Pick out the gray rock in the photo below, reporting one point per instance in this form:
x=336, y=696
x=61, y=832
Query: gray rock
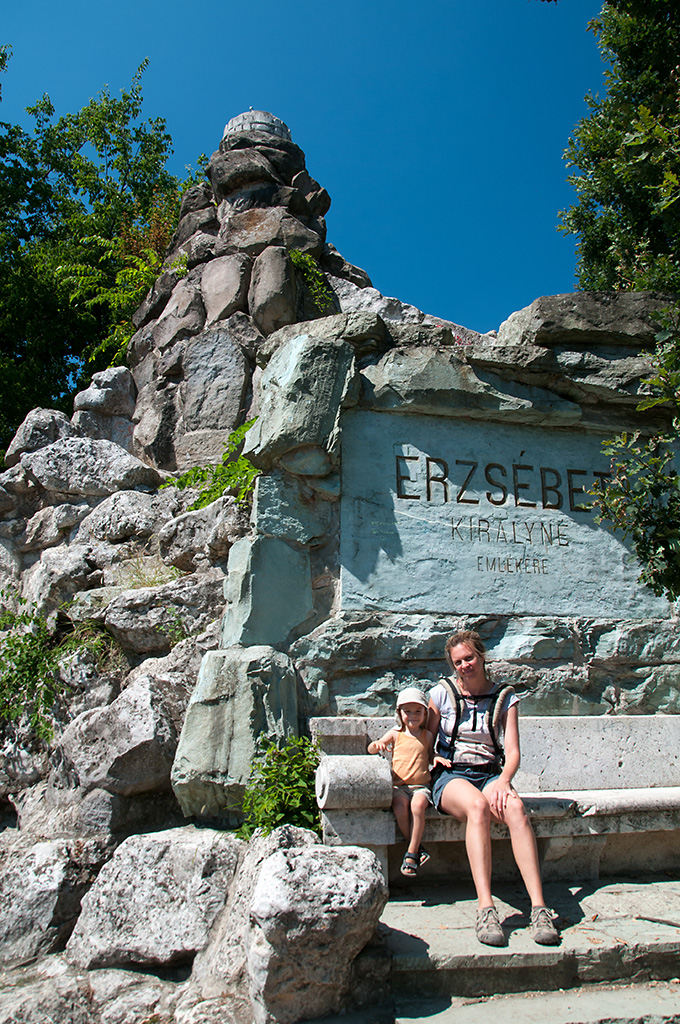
x=233, y=170
x=442, y=383
x=216, y=376
x=105, y=428
x=281, y=509
x=40, y=428
x=126, y=748
x=112, y=392
x=130, y=515
x=198, y=197
x=224, y=286
x=41, y=885
x=205, y=534
x=204, y=220
x=156, y=417
x=585, y=319
x=85, y=467
x=59, y=574
x=271, y=298
x=253, y=230
x=301, y=391
x=183, y=316
x=268, y=591
x=313, y=910
x=220, y=969
x=156, y=300
x=146, y=620
x=156, y=899
x=287, y=158
x=317, y=197
x=336, y=264
x=242, y=694
x=199, y=248
x=46, y=993
x=51, y=525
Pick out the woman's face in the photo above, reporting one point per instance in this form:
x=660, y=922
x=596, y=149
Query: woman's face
x=467, y=663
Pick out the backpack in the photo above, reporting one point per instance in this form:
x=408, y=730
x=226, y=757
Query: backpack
x=496, y=700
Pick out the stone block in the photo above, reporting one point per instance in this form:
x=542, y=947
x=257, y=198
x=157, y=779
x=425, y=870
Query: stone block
x=300, y=394
x=41, y=427
x=216, y=377
x=224, y=286
x=268, y=591
x=156, y=899
x=85, y=467
x=280, y=510
x=183, y=316
x=271, y=298
x=242, y=695
x=112, y=392
x=251, y=231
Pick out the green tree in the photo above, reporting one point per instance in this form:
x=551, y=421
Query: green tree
x=626, y=153
x=87, y=208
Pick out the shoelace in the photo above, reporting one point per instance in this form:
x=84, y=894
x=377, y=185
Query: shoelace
x=542, y=916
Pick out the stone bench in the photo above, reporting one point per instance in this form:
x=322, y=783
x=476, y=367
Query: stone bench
x=603, y=794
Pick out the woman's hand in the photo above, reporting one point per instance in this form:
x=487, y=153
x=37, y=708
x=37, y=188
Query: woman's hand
x=443, y=761
x=498, y=793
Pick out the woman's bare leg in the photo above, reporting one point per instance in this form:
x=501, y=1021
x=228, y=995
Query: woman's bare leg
x=463, y=801
x=524, y=848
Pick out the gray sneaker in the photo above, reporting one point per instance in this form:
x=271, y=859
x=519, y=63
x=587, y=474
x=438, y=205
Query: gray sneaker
x=488, y=927
x=543, y=930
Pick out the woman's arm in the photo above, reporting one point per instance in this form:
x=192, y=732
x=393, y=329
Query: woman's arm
x=384, y=743
x=499, y=792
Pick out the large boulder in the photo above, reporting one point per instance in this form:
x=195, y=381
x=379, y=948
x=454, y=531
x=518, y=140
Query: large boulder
x=312, y=912
x=202, y=535
x=124, y=748
x=85, y=467
x=156, y=899
x=41, y=885
x=242, y=694
x=224, y=286
x=40, y=428
x=271, y=298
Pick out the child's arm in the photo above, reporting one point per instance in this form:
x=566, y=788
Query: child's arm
x=385, y=742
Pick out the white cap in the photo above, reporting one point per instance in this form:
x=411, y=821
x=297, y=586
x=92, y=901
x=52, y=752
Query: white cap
x=412, y=695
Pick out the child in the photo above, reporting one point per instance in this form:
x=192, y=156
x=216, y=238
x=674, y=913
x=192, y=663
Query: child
x=412, y=753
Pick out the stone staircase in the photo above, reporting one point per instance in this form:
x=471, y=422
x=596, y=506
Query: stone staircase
x=619, y=954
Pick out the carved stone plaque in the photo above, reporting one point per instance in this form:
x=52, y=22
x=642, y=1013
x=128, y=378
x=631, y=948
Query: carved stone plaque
x=472, y=517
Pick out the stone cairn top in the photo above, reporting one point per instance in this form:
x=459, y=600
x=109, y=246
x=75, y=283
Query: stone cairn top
x=257, y=121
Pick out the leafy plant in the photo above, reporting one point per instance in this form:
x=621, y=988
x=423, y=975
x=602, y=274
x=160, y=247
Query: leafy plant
x=30, y=654
x=233, y=475
x=175, y=628
x=313, y=276
x=281, y=788
x=642, y=497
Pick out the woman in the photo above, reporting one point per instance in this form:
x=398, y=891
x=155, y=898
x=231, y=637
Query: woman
x=473, y=782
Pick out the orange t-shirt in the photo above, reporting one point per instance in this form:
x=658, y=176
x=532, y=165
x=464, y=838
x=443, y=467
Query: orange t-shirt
x=410, y=759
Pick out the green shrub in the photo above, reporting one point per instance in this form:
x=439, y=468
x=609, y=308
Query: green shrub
x=231, y=475
x=281, y=788
x=30, y=653
x=313, y=277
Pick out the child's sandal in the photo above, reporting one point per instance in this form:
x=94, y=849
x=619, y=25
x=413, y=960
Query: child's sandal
x=409, y=865
x=423, y=856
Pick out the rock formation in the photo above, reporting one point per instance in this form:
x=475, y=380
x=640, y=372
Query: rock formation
x=256, y=315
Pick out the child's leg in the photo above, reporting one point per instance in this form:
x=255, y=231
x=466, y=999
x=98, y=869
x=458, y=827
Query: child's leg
x=401, y=804
x=419, y=803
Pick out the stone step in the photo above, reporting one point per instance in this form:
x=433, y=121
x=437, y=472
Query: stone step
x=611, y=931
x=655, y=1002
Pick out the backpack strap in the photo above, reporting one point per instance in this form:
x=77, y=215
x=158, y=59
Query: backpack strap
x=456, y=701
x=498, y=698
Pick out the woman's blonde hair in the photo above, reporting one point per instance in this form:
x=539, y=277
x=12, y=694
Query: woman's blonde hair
x=469, y=637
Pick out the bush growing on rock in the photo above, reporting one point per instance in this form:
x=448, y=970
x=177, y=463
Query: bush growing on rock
x=281, y=788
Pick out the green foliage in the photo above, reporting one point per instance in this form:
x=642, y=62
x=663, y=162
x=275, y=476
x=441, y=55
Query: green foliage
x=281, y=788
x=87, y=209
x=642, y=497
x=626, y=154
x=233, y=475
x=30, y=654
x=313, y=276
x=175, y=627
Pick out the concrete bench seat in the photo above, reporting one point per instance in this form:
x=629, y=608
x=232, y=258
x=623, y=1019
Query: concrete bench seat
x=603, y=793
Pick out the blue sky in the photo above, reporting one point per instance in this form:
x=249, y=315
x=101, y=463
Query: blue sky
x=437, y=127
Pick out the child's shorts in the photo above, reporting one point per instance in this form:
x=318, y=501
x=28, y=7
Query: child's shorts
x=479, y=775
x=410, y=790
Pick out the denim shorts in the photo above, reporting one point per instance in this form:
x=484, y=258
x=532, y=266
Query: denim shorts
x=479, y=775
x=412, y=790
